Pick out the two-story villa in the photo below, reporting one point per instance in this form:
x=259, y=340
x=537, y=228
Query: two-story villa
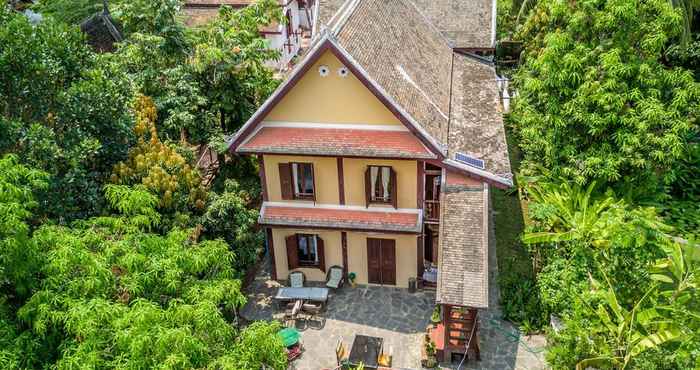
x=378, y=152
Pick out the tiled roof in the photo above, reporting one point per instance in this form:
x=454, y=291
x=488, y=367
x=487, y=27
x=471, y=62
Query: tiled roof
x=401, y=51
x=340, y=217
x=336, y=142
x=326, y=10
x=449, y=100
x=463, y=262
x=476, y=123
x=464, y=23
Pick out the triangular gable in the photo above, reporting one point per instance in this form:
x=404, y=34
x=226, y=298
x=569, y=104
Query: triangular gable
x=326, y=43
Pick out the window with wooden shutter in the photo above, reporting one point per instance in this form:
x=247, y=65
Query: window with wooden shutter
x=286, y=185
x=292, y=252
x=393, y=185
x=380, y=185
x=306, y=250
x=321, y=254
x=303, y=183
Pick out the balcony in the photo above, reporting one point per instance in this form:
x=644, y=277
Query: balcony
x=432, y=211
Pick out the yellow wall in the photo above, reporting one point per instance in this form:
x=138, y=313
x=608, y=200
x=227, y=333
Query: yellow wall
x=331, y=99
x=331, y=248
x=325, y=177
x=406, y=177
x=357, y=254
x=405, y=256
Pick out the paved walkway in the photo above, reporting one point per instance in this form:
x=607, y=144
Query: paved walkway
x=400, y=318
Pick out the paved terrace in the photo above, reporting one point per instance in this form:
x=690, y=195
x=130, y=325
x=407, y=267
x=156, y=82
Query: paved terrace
x=400, y=318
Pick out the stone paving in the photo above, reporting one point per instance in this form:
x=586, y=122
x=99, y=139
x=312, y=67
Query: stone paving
x=394, y=314
x=400, y=318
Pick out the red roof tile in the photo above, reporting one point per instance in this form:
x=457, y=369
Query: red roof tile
x=335, y=141
x=338, y=218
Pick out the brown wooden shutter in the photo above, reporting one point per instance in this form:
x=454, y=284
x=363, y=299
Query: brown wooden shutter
x=292, y=252
x=313, y=182
x=321, y=254
x=394, y=189
x=368, y=186
x=286, y=185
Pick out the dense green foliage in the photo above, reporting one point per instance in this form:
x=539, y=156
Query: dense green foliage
x=606, y=115
x=595, y=101
x=51, y=84
x=112, y=253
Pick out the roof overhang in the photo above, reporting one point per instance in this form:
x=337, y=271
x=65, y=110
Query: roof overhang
x=328, y=43
x=335, y=217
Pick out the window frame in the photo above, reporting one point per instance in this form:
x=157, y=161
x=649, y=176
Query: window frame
x=299, y=195
x=389, y=200
x=308, y=237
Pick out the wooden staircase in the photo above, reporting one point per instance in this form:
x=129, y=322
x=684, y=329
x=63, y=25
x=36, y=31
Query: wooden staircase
x=457, y=332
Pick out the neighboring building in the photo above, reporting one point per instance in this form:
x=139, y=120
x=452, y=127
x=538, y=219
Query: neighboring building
x=288, y=37
x=101, y=30
x=377, y=154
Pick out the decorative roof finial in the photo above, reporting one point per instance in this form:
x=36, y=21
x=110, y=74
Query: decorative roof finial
x=105, y=8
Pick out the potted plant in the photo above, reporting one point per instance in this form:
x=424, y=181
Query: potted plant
x=430, y=361
x=351, y=278
x=435, y=317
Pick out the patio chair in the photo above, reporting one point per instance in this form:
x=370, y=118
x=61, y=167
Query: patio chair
x=296, y=279
x=291, y=312
x=312, y=312
x=334, y=277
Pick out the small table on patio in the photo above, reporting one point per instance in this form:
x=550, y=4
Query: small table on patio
x=306, y=294
x=366, y=350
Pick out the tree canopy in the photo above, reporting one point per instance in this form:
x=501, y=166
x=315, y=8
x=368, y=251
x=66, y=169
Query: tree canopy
x=595, y=101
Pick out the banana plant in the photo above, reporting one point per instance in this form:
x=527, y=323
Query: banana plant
x=629, y=332
x=575, y=214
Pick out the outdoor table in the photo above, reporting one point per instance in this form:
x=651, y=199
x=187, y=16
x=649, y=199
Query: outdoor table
x=306, y=294
x=366, y=350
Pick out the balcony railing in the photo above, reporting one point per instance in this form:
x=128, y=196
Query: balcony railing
x=432, y=211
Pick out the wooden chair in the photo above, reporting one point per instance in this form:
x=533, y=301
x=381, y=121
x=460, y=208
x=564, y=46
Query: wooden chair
x=296, y=279
x=341, y=353
x=291, y=312
x=334, y=277
x=312, y=313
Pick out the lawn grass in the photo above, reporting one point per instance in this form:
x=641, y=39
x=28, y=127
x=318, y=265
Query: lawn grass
x=516, y=279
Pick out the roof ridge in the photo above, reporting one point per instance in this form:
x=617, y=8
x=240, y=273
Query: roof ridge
x=431, y=24
x=352, y=6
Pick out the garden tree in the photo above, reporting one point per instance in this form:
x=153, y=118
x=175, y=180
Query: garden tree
x=229, y=61
x=573, y=229
x=169, y=80
x=231, y=215
x=595, y=102
x=18, y=254
x=159, y=167
x=216, y=80
x=62, y=110
x=120, y=297
x=658, y=329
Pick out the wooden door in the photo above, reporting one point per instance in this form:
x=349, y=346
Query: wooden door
x=388, y=260
x=381, y=261
x=374, y=261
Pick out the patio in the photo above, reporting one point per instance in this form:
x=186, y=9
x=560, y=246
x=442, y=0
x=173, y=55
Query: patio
x=400, y=318
x=395, y=315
